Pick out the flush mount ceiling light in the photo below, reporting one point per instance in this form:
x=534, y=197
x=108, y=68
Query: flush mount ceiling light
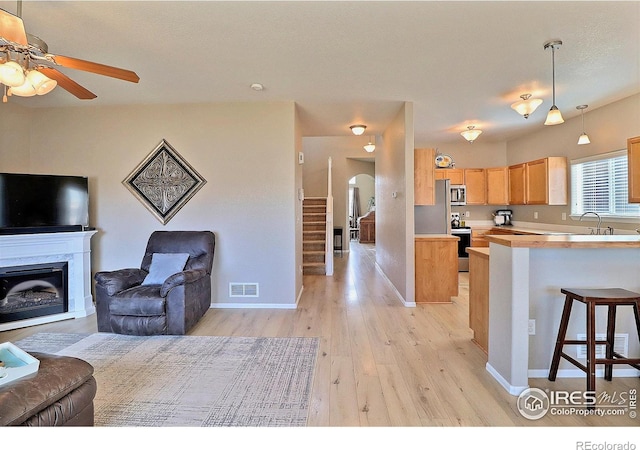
x=370, y=147
x=358, y=129
x=527, y=105
x=257, y=87
x=471, y=133
x=583, y=139
x=554, y=117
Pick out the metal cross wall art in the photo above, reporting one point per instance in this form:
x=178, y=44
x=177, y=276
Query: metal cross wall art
x=164, y=182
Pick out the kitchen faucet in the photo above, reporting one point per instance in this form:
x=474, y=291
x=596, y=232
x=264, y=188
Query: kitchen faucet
x=599, y=220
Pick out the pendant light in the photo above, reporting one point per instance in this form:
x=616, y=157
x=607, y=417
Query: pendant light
x=370, y=147
x=584, y=138
x=471, y=133
x=527, y=105
x=554, y=117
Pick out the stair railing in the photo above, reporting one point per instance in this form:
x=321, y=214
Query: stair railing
x=328, y=257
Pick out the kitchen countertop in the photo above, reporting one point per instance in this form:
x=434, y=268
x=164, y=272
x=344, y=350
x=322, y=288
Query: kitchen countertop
x=565, y=241
x=435, y=236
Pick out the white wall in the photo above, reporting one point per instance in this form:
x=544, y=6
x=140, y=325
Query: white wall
x=394, y=204
x=245, y=151
x=14, y=138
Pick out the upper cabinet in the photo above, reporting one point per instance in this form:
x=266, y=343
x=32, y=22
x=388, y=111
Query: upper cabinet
x=424, y=176
x=633, y=147
x=517, y=184
x=497, y=186
x=547, y=181
x=539, y=182
x=455, y=176
x=476, y=182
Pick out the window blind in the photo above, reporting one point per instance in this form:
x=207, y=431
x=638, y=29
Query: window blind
x=601, y=185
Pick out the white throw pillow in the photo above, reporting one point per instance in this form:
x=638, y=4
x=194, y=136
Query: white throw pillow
x=163, y=265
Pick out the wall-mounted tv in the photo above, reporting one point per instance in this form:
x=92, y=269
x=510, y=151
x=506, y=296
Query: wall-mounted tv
x=43, y=203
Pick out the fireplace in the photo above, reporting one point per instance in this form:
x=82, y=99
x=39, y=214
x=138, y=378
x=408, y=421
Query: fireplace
x=34, y=290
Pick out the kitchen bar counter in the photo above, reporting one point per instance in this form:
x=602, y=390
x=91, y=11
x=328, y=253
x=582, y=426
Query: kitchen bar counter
x=526, y=274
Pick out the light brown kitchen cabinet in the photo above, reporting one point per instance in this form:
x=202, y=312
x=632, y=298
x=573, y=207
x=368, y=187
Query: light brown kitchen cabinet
x=517, y=184
x=479, y=296
x=436, y=264
x=497, y=186
x=455, y=176
x=547, y=181
x=476, y=182
x=633, y=149
x=478, y=237
x=424, y=168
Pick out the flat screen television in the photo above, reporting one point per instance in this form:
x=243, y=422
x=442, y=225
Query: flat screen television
x=43, y=203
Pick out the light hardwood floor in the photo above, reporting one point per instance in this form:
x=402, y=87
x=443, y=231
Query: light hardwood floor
x=380, y=363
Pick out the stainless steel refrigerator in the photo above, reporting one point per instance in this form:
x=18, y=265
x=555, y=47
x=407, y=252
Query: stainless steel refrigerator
x=435, y=219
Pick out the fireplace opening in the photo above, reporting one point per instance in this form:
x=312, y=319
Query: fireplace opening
x=33, y=291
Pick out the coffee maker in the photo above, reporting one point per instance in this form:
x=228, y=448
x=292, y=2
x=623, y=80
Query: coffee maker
x=503, y=217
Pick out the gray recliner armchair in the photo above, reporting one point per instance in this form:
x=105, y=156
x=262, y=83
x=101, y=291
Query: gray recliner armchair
x=159, y=298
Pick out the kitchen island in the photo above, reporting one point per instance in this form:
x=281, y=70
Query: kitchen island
x=526, y=273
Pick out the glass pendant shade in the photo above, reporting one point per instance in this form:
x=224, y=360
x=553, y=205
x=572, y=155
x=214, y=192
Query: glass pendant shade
x=583, y=139
x=554, y=117
x=471, y=133
x=11, y=74
x=527, y=105
x=40, y=82
x=25, y=90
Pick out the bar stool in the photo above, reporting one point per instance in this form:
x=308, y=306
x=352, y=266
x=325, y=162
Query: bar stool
x=611, y=297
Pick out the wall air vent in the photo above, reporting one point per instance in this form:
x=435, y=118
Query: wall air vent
x=243, y=290
x=620, y=345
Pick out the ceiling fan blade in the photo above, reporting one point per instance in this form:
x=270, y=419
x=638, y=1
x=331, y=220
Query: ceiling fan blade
x=100, y=69
x=12, y=28
x=67, y=83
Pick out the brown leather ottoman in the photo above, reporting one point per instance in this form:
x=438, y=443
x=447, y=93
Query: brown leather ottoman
x=60, y=393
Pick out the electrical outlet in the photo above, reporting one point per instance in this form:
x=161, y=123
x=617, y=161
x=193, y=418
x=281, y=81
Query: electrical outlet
x=535, y=214
x=564, y=216
x=467, y=213
x=532, y=327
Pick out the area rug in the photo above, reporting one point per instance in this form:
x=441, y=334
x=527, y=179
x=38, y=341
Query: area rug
x=194, y=381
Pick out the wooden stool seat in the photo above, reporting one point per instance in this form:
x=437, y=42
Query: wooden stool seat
x=612, y=298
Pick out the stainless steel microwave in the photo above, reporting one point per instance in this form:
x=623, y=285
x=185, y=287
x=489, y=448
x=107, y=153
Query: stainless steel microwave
x=458, y=194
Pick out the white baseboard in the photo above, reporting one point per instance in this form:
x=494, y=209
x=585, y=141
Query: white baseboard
x=393, y=288
x=513, y=390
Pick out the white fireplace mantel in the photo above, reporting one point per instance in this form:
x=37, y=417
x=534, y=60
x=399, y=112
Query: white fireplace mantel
x=71, y=247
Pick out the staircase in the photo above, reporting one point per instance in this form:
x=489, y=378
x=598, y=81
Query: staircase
x=314, y=226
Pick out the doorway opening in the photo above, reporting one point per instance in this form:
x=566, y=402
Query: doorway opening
x=361, y=206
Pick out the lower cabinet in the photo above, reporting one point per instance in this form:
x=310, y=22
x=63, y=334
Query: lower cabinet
x=479, y=296
x=436, y=263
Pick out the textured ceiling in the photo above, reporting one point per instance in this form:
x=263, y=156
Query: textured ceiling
x=344, y=62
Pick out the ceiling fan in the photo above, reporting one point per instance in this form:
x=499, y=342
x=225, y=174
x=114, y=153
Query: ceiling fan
x=27, y=68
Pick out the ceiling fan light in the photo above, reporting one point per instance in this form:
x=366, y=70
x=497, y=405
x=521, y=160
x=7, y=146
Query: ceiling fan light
x=527, y=105
x=554, y=117
x=25, y=90
x=584, y=139
x=358, y=129
x=40, y=82
x=471, y=133
x=11, y=74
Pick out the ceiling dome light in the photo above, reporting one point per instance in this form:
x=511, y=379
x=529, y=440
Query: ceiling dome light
x=554, y=117
x=471, y=133
x=584, y=138
x=11, y=74
x=370, y=147
x=527, y=105
x=358, y=129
